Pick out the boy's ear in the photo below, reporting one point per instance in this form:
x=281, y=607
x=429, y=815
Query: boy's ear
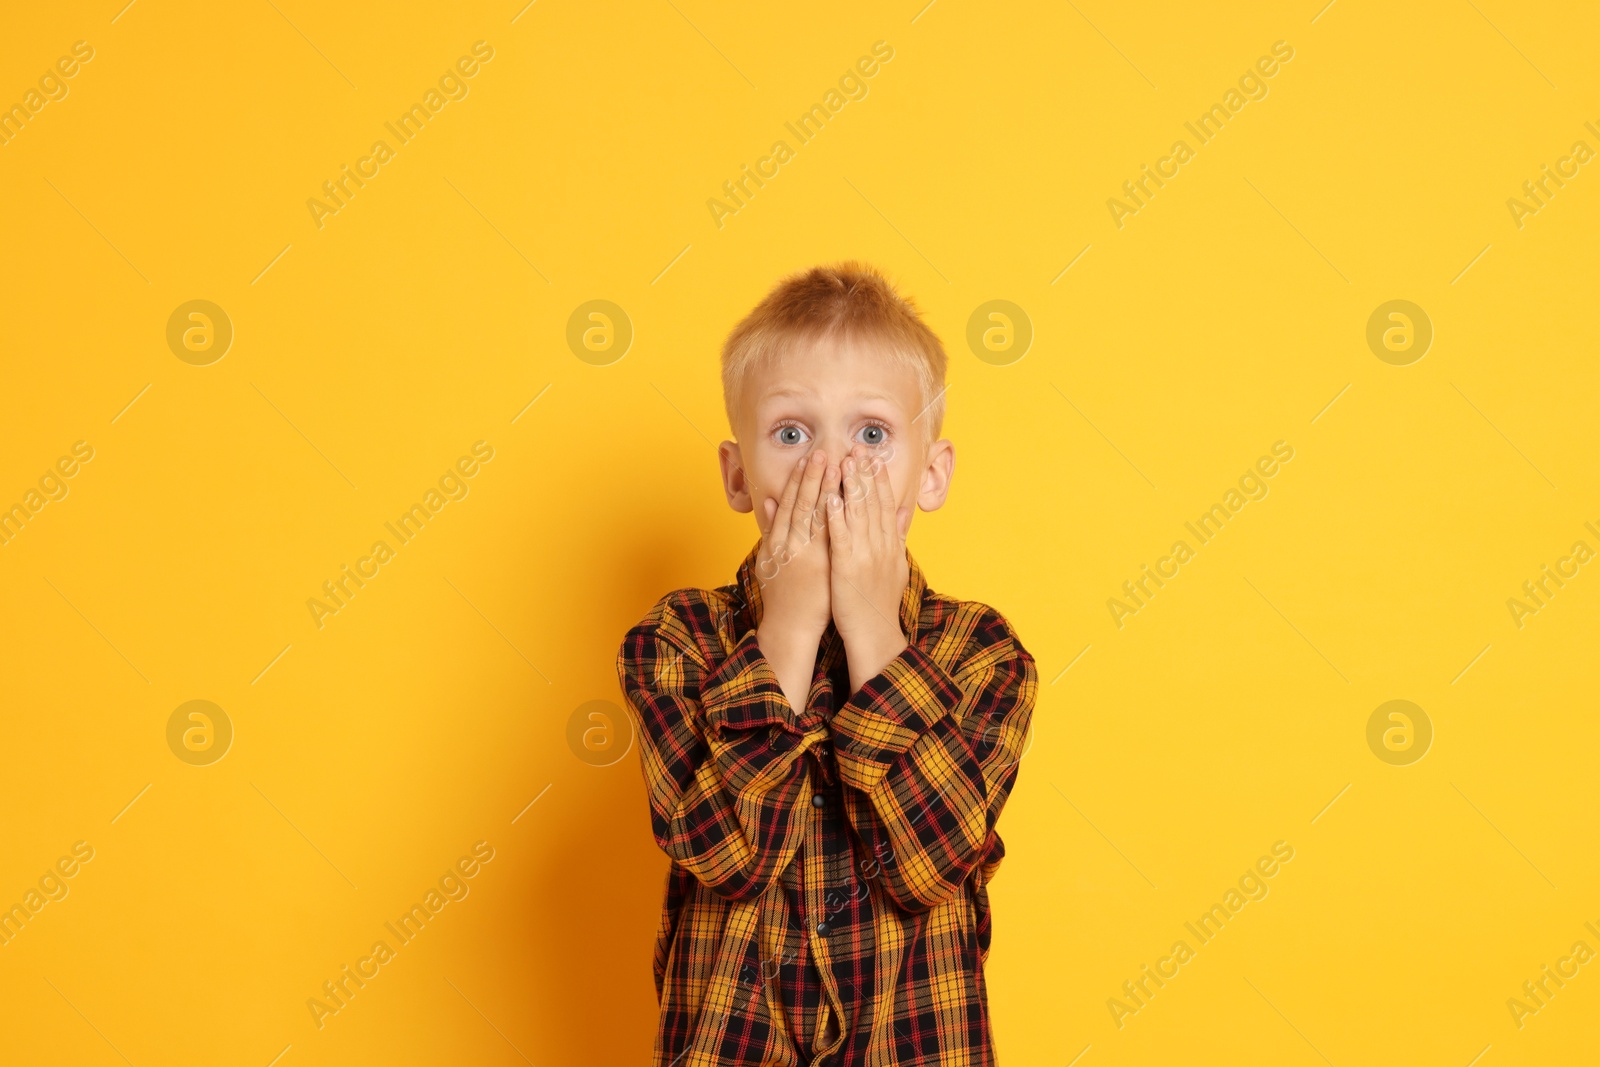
x=734, y=482
x=936, y=475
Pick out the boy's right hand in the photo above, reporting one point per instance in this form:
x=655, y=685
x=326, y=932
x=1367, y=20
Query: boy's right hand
x=793, y=563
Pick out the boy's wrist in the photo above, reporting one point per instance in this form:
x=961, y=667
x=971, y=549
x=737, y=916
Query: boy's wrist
x=781, y=635
x=786, y=645
x=869, y=653
x=792, y=654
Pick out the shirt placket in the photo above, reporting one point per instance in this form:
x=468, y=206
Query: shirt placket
x=832, y=910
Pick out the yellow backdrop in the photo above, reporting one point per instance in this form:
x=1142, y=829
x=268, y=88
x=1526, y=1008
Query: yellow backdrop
x=360, y=391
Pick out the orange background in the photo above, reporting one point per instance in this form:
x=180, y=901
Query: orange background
x=432, y=711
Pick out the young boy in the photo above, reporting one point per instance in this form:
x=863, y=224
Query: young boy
x=827, y=742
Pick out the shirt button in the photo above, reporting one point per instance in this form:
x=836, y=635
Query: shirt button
x=824, y=929
x=818, y=800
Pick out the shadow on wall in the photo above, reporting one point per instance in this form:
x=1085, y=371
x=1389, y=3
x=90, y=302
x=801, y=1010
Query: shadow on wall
x=596, y=891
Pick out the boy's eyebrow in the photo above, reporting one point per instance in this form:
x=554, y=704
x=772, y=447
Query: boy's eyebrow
x=800, y=394
x=796, y=393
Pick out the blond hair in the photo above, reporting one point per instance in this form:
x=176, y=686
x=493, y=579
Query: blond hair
x=842, y=301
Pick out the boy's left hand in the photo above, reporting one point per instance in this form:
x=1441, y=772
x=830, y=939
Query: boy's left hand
x=868, y=567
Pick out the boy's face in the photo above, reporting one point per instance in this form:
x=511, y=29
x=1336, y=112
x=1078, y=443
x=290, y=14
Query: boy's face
x=834, y=395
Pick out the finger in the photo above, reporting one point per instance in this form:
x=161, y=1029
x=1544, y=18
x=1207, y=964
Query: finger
x=888, y=519
x=802, y=523
x=779, y=528
x=831, y=483
x=763, y=511
x=872, y=501
x=838, y=528
x=855, y=511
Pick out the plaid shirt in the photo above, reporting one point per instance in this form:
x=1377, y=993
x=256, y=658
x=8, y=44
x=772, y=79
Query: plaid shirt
x=826, y=901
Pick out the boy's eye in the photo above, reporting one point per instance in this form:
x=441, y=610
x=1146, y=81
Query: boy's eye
x=874, y=435
x=790, y=435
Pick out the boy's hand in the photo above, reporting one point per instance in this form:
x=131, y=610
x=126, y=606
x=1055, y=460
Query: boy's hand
x=793, y=569
x=869, y=572
x=793, y=562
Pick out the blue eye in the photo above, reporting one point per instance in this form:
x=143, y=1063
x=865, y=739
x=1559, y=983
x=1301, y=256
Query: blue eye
x=875, y=434
x=789, y=435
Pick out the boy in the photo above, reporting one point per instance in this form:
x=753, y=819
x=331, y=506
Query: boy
x=827, y=742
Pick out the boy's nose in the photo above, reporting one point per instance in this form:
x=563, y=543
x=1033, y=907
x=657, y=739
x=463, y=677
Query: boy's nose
x=837, y=451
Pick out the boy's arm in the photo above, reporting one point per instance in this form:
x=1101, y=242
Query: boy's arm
x=933, y=787
x=730, y=797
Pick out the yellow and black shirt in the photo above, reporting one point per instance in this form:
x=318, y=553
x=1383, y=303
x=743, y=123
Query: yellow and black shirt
x=826, y=901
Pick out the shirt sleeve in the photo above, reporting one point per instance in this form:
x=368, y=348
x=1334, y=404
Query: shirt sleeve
x=730, y=796
x=933, y=755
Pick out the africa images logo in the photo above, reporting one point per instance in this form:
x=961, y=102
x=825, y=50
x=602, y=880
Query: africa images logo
x=1206, y=128
x=452, y=85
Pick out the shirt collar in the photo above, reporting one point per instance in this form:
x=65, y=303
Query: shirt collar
x=749, y=585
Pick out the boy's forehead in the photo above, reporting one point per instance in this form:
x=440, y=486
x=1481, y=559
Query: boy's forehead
x=858, y=370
